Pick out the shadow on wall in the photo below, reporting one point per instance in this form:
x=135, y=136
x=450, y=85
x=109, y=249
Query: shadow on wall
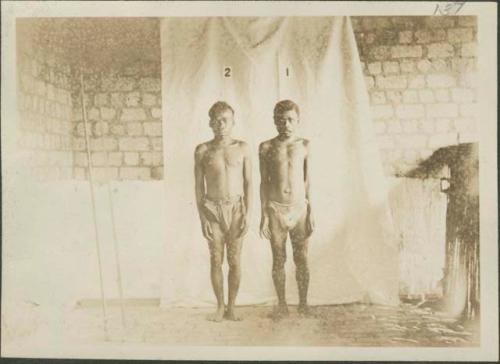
x=460, y=182
x=419, y=215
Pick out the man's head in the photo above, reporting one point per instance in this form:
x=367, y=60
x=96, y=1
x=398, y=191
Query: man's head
x=286, y=117
x=221, y=118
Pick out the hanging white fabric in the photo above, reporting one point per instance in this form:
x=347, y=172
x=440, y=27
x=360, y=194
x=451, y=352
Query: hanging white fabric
x=252, y=63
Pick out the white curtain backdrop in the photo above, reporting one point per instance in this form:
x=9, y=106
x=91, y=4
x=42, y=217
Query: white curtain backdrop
x=313, y=61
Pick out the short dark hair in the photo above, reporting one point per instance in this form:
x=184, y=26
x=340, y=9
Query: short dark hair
x=218, y=107
x=285, y=105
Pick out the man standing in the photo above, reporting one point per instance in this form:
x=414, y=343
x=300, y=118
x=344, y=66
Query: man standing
x=223, y=196
x=285, y=201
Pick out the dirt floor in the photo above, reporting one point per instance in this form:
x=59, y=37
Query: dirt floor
x=337, y=325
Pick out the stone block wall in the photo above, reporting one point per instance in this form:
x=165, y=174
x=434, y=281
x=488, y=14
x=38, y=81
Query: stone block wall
x=421, y=76
x=420, y=73
x=44, y=105
x=122, y=76
x=125, y=129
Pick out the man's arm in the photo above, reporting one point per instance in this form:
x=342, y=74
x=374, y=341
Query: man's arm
x=247, y=189
x=199, y=177
x=307, y=184
x=247, y=180
x=264, y=180
x=264, y=177
x=307, y=176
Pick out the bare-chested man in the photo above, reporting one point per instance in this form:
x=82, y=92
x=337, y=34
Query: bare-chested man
x=223, y=196
x=285, y=201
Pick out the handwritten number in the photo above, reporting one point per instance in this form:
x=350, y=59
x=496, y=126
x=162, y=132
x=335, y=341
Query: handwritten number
x=227, y=72
x=287, y=72
x=451, y=8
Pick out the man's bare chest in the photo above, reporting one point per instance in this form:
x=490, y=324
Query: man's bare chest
x=285, y=155
x=223, y=158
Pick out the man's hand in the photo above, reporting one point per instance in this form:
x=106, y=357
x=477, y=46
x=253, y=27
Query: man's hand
x=264, y=227
x=309, y=221
x=207, y=229
x=245, y=223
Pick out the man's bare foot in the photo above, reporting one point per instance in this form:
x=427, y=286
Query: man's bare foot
x=217, y=316
x=279, y=312
x=305, y=310
x=231, y=315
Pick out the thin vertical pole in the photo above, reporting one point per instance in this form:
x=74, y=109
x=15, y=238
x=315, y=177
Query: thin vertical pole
x=92, y=198
x=117, y=256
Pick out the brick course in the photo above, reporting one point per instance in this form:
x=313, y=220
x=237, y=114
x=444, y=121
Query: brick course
x=45, y=109
x=125, y=118
x=420, y=73
x=423, y=96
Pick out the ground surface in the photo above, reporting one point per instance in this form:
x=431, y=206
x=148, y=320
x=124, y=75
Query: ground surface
x=338, y=325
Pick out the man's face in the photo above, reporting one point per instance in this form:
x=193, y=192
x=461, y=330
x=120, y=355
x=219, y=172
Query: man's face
x=287, y=122
x=222, y=123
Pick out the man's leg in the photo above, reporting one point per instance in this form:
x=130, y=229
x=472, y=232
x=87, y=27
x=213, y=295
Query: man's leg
x=301, y=272
x=234, y=276
x=278, y=241
x=300, y=244
x=216, y=259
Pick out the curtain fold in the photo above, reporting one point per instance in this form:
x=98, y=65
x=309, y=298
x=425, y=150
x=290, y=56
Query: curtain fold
x=313, y=61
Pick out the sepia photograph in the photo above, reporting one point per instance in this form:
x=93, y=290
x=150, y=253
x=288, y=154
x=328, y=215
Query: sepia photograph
x=249, y=180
